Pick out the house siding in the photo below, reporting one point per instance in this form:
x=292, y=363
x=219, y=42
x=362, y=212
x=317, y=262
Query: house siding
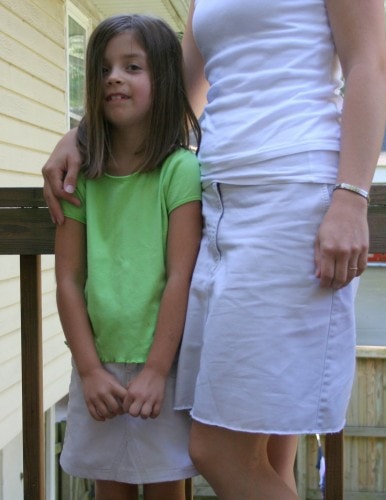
x=32, y=119
x=33, y=84
x=33, y=116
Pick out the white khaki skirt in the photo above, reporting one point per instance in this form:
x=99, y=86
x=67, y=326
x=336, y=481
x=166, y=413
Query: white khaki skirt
x=126, y=449
x=265, y=348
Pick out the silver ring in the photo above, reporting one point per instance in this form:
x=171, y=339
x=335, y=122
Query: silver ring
x=353, y=269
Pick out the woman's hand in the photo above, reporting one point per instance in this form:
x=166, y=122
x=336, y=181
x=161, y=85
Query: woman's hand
x=60, y=175
x=342, y=243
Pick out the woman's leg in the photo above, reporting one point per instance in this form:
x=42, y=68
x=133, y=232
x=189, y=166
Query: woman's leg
x=171, y=490
x=281, y=455
x=236, y=464
x=112, y=490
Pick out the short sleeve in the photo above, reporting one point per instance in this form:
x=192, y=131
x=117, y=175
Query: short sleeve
x=72, y=211
x=181, y=179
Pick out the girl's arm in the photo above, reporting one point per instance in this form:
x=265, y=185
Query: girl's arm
x=359, y=36
x=146, y=392
x=60, y=174
x=196, y=84
x=102, y=391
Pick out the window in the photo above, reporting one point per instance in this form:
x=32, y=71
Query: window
x=77, y=31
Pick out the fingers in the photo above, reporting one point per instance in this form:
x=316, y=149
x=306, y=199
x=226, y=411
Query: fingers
x=356, y=266
x=106, y=398
x=105, y=409
x=102, y=410
x=362, y=262
x=106, y=403
x=143, y=409
x=54, y=206
x=344, y=273
x=60, y=175
x=342, y=242
x=336, y=270
x=145, y=394
x=71, y=177
x=139, y=407
x=97, y=413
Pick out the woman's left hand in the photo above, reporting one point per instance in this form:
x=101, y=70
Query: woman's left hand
x=342, y=243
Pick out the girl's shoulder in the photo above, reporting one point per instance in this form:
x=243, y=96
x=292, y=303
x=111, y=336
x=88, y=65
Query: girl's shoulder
x=181, y=159
x=180, y=177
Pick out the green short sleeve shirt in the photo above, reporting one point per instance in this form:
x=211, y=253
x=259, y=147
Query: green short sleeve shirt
x=126, y=222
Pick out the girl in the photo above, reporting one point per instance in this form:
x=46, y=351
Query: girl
x=124, y=260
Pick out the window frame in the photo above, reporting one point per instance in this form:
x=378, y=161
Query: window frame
x=84, y=22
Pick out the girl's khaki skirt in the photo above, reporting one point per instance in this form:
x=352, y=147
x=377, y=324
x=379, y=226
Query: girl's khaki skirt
x=126, y=449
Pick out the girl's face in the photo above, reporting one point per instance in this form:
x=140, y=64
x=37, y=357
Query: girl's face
x=127, y=94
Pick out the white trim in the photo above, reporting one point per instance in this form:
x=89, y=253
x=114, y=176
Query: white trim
x=78, y=15
x=50, y=442
x=85, y=22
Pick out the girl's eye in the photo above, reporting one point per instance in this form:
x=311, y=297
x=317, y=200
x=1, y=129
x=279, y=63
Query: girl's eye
x=105, y=71
x=133, y=67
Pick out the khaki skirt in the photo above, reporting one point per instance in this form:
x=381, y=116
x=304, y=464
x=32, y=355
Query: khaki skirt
x=126, y=449
x=265, y=348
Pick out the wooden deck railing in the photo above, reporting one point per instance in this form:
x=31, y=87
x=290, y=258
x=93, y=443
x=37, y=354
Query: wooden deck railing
x=26, y=230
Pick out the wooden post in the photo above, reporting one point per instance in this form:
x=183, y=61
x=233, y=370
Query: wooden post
x=188, y=489
x=32, y=377
x=334, y=466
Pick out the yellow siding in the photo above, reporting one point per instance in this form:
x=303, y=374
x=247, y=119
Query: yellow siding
x=32, y=86
x=32, y=119
x=56, y=356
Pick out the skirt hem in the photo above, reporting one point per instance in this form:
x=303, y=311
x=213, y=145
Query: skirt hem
x=125, y=476
x=287, y=432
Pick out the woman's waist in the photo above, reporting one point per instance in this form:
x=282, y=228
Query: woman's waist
x=320, y=165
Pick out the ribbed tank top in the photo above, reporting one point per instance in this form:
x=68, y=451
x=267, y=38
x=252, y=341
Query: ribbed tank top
x=275, y=89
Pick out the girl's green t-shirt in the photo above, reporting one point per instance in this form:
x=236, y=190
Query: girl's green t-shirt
x=126, y=222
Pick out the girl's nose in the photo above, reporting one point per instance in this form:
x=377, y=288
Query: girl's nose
x=115, y=76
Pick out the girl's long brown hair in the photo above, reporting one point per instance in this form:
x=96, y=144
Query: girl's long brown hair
x=171, y=117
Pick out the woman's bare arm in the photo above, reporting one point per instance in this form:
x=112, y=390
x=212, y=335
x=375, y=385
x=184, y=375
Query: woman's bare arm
x=60, y=173
x=359, y=36
x=196, y=83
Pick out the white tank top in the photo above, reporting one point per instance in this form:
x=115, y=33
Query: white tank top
x=275, y=90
